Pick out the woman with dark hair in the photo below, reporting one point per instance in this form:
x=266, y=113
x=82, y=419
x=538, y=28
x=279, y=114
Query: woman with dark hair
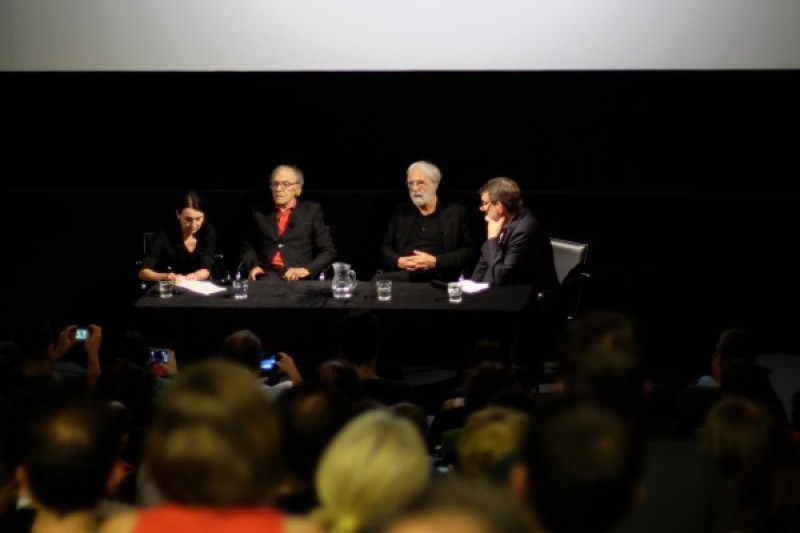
x=184, y=251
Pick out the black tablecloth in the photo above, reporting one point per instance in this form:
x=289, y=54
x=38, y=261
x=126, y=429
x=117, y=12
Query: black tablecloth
x=420, y=325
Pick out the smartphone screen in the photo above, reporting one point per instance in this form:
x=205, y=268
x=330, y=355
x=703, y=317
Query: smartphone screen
x=81, y=334
x=159, y=355
x=268, y=362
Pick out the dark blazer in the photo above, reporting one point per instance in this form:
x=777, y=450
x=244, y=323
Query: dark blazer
x=306, y=242
x=167, y=251
x=522, y=254
x=460, y=250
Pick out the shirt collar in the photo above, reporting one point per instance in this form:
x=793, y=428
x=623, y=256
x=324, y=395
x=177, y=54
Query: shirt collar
x=289, y=207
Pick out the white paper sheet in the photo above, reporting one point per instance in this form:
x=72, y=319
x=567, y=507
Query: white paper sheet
x=471, y=287
x=201, y=287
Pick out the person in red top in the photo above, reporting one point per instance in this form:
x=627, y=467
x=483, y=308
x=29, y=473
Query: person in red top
x=288, y=239
x=214, y=451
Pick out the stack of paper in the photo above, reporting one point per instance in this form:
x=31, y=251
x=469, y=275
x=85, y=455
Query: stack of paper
x=471, y=287
x=201, y=287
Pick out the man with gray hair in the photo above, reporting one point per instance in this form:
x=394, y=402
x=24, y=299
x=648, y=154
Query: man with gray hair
x=427, y=239
x=288, y=238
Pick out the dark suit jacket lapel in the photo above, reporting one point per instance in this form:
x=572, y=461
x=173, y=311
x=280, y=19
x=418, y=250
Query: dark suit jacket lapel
x=508, y=231
x=272, y=222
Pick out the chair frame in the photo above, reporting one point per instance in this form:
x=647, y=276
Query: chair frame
x=557, y=306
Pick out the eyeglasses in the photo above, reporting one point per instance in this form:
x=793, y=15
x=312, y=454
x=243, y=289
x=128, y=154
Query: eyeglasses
x=417, y=183
x=487, y=203
x=275, y=185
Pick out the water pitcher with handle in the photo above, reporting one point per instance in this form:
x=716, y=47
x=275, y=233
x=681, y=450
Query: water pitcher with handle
x=344, y=280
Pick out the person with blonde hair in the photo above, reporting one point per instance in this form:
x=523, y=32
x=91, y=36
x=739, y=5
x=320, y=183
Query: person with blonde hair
x=375, y=465
x=214, y=451
x=489, y=441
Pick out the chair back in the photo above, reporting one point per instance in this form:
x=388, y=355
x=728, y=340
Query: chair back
x=557, y=306
x=568, y=255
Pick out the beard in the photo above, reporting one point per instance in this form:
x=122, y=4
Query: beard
x=420, y=199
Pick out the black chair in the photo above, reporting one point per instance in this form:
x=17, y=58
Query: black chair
x=555, y=307
x=570, y=261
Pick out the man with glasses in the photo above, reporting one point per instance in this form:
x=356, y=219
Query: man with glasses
x=517, y=248
x=427, y=239
x=288, y=238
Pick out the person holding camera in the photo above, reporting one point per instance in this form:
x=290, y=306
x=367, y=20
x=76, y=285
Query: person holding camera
x=244, y=347
x=184, y=251
x=39, y=353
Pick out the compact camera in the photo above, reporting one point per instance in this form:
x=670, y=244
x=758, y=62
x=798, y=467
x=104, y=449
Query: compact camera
x=158, y=355
x=81, y=334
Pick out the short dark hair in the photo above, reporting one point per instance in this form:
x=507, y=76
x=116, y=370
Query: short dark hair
x=215, y=438
x=603, y=359
x=504, y=190
x=736, y=343
x=70, y=443
x=311, y=415
x=242, y=347
x=33, y=337
x=585, y=462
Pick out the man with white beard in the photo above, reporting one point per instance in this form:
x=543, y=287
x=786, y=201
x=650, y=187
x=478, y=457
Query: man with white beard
x=428, y=238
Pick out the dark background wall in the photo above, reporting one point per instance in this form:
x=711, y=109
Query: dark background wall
x=681, y=180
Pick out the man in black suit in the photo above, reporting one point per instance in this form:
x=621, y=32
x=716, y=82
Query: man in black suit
x=517, y=248
x=428, y=238
x=288, y=239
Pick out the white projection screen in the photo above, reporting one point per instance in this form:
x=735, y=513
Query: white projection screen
x=397, y=35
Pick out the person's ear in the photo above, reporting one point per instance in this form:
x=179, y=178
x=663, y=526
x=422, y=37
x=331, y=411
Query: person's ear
x=120, y=471
x=21, y=477
x=518, y=480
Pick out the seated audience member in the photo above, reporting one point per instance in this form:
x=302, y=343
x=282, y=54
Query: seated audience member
x=358, y=336
x=414, y=414
x=184, y=250
x=341, y=375
x=482, y=383
x=69, y=449
x=462, y=506
x=375, y=465
x=483, y=350
x=244, y=347
x=734, y=343
x=733, y=372
x=489, y=442
x=517, y=249
x=311, y=416
x=39, y=354
x=35, y=371
x=288, y=238
x=426, y=238
x=603, y=363
x=580, y=467
x=759, y=461
x=214, y=451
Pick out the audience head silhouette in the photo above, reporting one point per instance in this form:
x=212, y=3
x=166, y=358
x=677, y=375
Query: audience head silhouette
x=215, y=438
